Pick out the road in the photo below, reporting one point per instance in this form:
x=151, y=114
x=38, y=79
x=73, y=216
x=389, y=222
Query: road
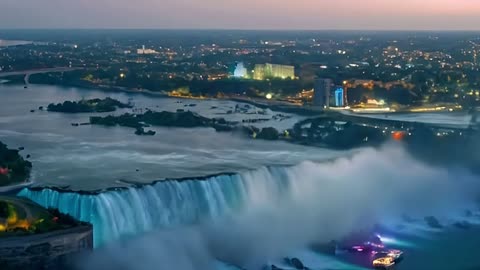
x=27, y=73
x=19, y=204
x=13, y=189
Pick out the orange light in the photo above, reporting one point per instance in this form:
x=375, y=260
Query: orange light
x=24, y=224
x=398, y=135
x=385, y=261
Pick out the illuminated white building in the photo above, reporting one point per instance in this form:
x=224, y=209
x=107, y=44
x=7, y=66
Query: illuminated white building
x=264, y=71
x=145, y=51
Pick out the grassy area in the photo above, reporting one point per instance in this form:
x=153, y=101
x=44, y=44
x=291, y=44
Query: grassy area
x=22, y=217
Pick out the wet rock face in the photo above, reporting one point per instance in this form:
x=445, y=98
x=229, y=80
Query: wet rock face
x=86, y=106
x=54, y=251
x=297, y=264
x=268, y=133
x=464, y=225
x=433, y=222
x=141, y=131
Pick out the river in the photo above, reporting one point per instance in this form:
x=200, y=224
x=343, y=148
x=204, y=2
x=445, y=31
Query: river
x=95, y=157
x=277, y=199
x=448, y=119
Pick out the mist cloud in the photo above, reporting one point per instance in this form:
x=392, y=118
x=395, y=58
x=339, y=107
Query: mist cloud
x=324, y=202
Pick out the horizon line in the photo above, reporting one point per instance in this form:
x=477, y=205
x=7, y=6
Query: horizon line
x=243, y=29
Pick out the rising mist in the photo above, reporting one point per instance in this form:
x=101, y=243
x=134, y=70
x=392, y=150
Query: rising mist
x=285, y=209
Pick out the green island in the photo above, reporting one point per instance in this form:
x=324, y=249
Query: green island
x=329, y=132
x=88, y=106
x=14, y=168
x=186, y=119
x=321, y=131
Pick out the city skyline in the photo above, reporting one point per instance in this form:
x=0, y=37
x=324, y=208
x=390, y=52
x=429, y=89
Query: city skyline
x=247, y=14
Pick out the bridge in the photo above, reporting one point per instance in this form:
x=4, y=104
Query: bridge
x=27, y=73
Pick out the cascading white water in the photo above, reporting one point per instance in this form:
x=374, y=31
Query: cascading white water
x=335, y=196
x=169, y=203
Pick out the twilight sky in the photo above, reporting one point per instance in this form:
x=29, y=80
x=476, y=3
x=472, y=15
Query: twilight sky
x=243, y=14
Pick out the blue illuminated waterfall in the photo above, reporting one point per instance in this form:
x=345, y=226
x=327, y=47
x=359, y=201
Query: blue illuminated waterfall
x=166, y=203
x=371, y=186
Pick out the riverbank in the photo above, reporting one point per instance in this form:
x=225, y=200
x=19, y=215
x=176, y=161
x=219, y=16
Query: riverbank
x=14, y=189
x=280, y=106
x=263, y=104
x=14, y=169
x=62, y=153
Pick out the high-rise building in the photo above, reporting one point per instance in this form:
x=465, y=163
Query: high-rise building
x=265, y=71
x=321, y=94
x=339, y=97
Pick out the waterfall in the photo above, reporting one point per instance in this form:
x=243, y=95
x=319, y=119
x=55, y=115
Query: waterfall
x=335, y=196
x=166, y=203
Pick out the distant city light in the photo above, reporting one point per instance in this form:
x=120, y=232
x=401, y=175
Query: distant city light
x=269, y=96
x=122, y=75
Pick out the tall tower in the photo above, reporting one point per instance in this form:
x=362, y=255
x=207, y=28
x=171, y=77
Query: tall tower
x=321, y=94
x=346, y=85
x=339, y=97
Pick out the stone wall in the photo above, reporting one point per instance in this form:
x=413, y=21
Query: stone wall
x=53, y=250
